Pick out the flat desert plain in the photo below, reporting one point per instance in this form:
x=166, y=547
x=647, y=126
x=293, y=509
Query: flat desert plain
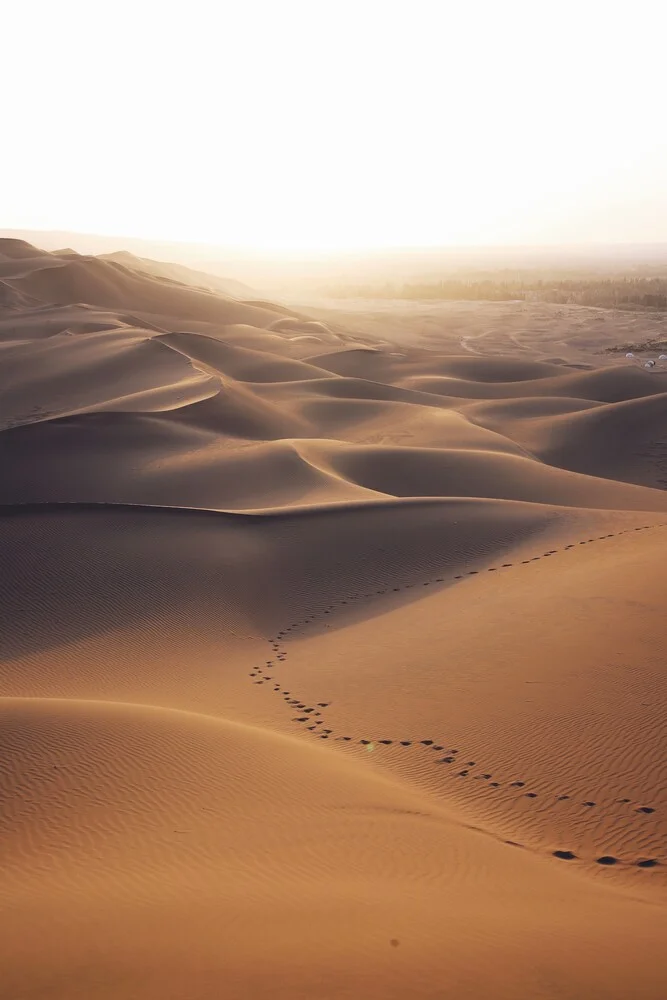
x=333, y=659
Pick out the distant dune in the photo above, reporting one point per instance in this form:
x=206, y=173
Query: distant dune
x=331, y=662
x=184, y=275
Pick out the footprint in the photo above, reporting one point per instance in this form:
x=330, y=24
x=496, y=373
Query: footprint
x=386, y=743
x=645, y=809
x=448, y=760
x=562, y=798
x=406, y=743
x=607, y=859
x=531, y=795
x=564, y=855
x=427, y=743
x=517, y=784
x=494, y=784
x=435, y=747
x=506, y=565
x=624, y=801
x=589, y=804
x=463, y=774
x=647, y=863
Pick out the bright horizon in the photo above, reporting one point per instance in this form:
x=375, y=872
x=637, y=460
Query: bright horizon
x=336, y=127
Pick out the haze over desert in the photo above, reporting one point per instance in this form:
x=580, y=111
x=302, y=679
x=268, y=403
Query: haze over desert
x=333, y=501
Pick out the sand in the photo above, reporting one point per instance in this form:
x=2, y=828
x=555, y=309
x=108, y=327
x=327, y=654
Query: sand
x=330, y=664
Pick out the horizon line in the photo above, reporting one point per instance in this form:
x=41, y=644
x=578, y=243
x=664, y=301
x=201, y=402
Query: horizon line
x=339, y=248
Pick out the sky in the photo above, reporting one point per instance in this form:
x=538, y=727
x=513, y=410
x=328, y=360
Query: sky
x=317, y=125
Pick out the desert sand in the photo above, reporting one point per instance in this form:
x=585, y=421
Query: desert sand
x=332, y=654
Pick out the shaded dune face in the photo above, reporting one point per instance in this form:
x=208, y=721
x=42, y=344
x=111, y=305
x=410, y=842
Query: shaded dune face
x=325, y=664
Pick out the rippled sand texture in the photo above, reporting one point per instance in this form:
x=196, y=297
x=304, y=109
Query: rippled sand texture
x=327, y=666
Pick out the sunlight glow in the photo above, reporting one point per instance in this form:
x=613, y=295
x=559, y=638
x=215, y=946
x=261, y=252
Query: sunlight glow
x=314, y=124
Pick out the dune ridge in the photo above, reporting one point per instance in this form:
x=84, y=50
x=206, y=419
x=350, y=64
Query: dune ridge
x=327, y=662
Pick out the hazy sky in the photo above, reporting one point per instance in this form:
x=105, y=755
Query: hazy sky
x=309, y=123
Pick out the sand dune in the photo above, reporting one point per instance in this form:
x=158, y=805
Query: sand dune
x=181, y=274
x=611, y=441
x=439, y=472
x=327, y=665
x=112, y=285
x=15, y=249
